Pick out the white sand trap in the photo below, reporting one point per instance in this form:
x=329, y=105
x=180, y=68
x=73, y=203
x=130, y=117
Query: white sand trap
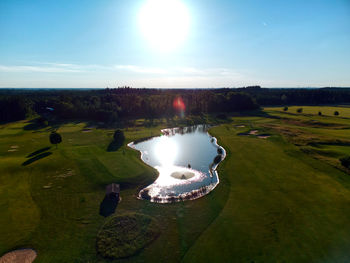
x=19, y=256
x=14, y=147
x=240, y=126
x=183, y=175
x=253, y=132
x=263, y=136
x=12, y=150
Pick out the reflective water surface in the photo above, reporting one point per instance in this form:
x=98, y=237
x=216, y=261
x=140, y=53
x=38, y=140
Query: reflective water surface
x=186, y=159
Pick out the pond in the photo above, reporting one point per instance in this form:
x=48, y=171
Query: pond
x=186, y=159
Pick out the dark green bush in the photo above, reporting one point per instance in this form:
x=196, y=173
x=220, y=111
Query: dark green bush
x=345, y=161
x=124, y=235
x=119, y=136
x=217, y=159
x=55, y=138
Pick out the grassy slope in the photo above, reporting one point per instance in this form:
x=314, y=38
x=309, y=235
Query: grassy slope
x=274, y=203
x=283, y=206
x=61, y=222
x=313, y=110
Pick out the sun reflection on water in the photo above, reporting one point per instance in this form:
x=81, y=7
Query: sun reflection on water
x=166, y=151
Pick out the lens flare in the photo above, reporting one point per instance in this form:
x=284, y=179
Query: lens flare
x=179, y=106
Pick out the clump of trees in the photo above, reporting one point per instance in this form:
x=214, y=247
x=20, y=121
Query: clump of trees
x=299, y=110
x=285, y=108
x=118, y=140
x=119, y=136
x=14, y=108
x=319, y=113
x=345, y=161
x=55, y=138
x=336, y=113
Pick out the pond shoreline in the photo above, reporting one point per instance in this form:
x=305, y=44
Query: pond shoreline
x=189, y=195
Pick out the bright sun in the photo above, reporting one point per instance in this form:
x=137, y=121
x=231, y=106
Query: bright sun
x=164, y=23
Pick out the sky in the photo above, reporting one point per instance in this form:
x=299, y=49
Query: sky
x=216, y=43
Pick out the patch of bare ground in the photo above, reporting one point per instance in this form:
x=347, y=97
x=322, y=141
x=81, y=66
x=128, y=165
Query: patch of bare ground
x=19, y=256
x=66, y=173
x=13, y=148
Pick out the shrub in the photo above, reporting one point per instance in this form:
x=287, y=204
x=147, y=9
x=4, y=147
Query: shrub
x=285, y=108
x=299, y=110
x=336, y=113
x=319, y=113
x=221, y=116
x=217, y=159
x=124, y=235
x=55, y=138
x=220, y=151
x=119, y=136
x=345, y=161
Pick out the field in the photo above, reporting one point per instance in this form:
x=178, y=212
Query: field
x=285, y=198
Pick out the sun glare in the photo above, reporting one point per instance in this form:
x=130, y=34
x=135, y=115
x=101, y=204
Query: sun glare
x=164, y=23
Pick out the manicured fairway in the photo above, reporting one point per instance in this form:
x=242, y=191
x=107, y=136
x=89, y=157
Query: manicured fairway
x=313, y=110
x=276, y=202
x=283, y=207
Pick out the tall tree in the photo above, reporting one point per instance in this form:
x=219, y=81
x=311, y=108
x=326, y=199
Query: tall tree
x=55, y=138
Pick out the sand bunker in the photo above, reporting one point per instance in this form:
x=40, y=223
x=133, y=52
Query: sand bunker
x=253, y=132
x=19, y=256
x=240, y=126
x=263, y=136
x=13, y=148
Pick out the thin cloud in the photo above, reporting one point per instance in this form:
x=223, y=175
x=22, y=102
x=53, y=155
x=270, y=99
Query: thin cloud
x=42, y=69
x=181, y=71
x=144, y=70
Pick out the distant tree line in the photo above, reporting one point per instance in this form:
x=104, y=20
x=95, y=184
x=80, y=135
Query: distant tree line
x=297, y=96
x=113, y=105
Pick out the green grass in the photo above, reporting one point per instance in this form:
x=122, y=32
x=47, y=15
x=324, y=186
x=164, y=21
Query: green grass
x=313, y=110
x=276, y=201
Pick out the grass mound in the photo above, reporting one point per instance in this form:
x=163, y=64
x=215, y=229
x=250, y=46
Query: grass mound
x=124, y=235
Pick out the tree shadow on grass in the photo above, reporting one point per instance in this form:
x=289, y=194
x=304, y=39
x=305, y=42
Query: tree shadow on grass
x=36, y=158
x=109, y=205
x=114, y=146
x=38, y=151
x=36, y=124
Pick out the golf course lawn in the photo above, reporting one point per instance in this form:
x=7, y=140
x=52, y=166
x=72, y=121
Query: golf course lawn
x=280, y=199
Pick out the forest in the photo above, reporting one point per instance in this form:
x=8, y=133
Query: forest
x=125, y=103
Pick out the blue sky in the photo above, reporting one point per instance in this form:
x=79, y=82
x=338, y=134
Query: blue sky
x=96, y=44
